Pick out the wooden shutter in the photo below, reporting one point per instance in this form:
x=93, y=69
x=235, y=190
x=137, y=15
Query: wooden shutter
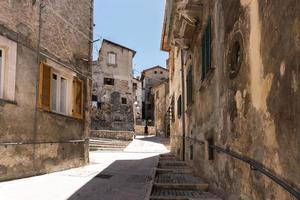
x=77, y=110
x=45, y=87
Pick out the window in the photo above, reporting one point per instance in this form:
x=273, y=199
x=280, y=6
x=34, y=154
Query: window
x=59, y=93
x=112, y=57
x=134, y=85
x=109, y=81
x=172, y=110
x=124, y=100
x=157, y=94
x=94, y=98
x=55, y=92
x=8, y=63
x=161, y=72
x=179, y=107
x=189, y=87
x=155, y=72
x=206, y=51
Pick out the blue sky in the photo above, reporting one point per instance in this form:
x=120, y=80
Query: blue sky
x=136, y=24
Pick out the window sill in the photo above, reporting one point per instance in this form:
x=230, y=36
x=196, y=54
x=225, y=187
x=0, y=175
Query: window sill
x=61, y=115
x=6, y=101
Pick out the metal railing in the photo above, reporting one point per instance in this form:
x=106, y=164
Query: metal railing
x=260, y=168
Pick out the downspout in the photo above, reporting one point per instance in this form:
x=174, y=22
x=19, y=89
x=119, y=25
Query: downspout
x=183, y=105
x=41, y=6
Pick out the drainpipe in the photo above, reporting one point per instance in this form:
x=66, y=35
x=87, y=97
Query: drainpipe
x=183, y=105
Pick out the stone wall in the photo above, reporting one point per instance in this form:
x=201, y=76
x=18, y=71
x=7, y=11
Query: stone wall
x=33, y=141
x=140, y=130
x=252, y=111
x=118, y=135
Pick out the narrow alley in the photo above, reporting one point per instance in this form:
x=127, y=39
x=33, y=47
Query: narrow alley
x=149, y=100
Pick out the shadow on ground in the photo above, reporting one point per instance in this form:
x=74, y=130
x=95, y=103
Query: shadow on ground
x=156, y=139
x=122, y=180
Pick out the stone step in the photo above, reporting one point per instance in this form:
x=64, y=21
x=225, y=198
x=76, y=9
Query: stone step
x=186, y=170
x=172, y=163
x=167, y=194
x=182, y=186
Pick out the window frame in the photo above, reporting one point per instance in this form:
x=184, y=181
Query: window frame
x=109, y=58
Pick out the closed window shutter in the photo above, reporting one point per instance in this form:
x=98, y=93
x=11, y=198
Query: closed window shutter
x=45, y=87
x=77, y=98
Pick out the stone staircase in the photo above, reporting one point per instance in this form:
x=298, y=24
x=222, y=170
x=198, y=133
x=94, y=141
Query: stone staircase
x=104, y=144
x=174, y=180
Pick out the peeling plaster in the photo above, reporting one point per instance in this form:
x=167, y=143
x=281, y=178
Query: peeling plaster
x=294, y=82
x=282, y=68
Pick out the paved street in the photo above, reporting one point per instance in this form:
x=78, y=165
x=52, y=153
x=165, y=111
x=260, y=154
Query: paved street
x=123, y=175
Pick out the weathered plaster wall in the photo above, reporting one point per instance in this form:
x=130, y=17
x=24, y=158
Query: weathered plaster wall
x=255, y=114
x=32, y=141
x=160, y=107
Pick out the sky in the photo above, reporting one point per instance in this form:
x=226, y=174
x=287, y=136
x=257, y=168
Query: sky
x=136, y=24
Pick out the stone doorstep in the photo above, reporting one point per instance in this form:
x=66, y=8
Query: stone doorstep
x=182, y=186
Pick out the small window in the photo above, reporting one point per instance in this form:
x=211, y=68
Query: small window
x=112, y=58
x=134, y=85
x=124, y=100
x=149, y=106
x=179, y=107
x=235, y=57
x=161, y=72
x=191, y=152
x=172, y=109
x=155, y=72
x=157, y=94
x=94, y=98
x=109, y=81
x=189, y=87
x=206, y=51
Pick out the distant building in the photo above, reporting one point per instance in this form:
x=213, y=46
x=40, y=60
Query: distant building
x=113, y=88
x=150, y=78
x=137, y=93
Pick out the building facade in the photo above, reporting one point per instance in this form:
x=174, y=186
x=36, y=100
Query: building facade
x=161, y=112
x=150, y=78
x=45, y=67
x=234, y=73
x=113, y=88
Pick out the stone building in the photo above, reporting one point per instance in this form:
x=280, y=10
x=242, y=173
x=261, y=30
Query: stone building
x=113, y=88
x=161, y=114
x=137, y=93
x=45, y=67
x=151, y=77
x=234, y=83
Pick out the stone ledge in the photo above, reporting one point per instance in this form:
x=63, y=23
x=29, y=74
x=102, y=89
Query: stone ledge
x=118, y=135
